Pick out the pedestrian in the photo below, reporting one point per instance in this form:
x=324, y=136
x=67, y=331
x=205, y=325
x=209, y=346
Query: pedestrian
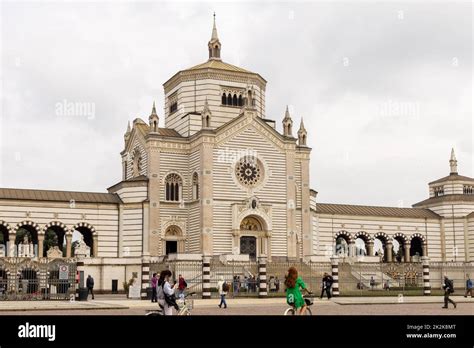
x=223, y=288
x=326, y=285
x=468, y=286
x=387, y=285
x=182, y=285
x=90, y=286
x=246, y=284
x=372, y=283
x=448, y=287
x=154, y=282
x=236, y=285
x=277, y=284
x=166, y=296
x=294, y=296
x=271, y=284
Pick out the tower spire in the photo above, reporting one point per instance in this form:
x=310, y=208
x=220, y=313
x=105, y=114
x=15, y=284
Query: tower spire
x=453, y=163
x=214, y=29
x=153, y=120
x=214, y=44
x=302, y=134
x=287, y=124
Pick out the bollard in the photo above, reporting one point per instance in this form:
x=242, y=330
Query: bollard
x=206, y=277
x=145, y=282
x=426, y=276
x=262, y=275
x=335, y=276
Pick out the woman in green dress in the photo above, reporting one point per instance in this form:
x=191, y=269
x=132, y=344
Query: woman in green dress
x=294, y=297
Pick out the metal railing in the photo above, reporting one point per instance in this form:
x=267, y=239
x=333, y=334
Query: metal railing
x=37, y=279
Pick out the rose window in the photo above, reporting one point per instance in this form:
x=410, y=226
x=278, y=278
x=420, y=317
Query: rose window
x=248, y=171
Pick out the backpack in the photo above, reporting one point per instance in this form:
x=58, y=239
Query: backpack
x=225, y=287
x=450, y=286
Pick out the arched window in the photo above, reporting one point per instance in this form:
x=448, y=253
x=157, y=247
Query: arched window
x=235, y=101
x=224, y=99
x=229, y=99
x=173, y=187
x=241, y=100
x=195, y=186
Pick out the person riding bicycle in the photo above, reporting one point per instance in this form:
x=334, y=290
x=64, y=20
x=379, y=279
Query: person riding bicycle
x=294, y=297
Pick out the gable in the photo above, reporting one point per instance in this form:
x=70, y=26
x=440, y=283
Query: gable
x=251, y=121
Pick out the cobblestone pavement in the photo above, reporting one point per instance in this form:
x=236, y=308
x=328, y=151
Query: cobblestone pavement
x=278, y=309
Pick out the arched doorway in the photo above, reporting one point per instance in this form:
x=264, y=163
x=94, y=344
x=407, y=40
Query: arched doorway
x=343, y=241
x=173, y=241
x=26, y=239
x=4, y=239
x=363, y=244
x=383, y=247
x=253, y=238
x=402, y=253
x=417, y=247
x=55, y=235
x=86, y=233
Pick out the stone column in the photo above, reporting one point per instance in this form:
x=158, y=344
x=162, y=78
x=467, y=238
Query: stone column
x=425, y=249
x=68, y=244
x=11, y=244
x=351, y=251
x=335, y=276
x=262, y=274
x=145, y=277
x=389, y=248
x=407, y=252
x=206, y=277
x=370, y=248
x=95, y=245
x=426, y=276
x=40, y=245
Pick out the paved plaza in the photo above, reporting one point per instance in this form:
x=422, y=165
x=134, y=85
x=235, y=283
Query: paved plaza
x=113, y=305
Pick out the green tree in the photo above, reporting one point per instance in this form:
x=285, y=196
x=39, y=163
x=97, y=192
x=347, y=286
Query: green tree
x=50, y=240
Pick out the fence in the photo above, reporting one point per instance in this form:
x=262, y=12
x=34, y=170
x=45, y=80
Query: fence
x=311, y=273
x=190, y=270
x=242, y=277
x=37, y=279
x=458, y=272
x=376, y=279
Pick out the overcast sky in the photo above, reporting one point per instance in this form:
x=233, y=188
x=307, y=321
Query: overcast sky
x=385, y=89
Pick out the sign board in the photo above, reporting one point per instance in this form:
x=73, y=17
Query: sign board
x=64, y=272
x=134, y=290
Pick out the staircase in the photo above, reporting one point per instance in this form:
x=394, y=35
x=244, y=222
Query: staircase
x=379, y=277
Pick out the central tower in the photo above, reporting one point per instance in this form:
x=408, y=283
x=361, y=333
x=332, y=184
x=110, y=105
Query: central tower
x=211, y=94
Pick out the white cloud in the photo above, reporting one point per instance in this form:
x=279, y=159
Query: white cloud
x=381, y=127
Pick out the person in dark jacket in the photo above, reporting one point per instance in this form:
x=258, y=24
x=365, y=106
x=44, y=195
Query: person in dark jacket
x=448, y=287
x=326, y=285
x=468, y=286
x=90, y=285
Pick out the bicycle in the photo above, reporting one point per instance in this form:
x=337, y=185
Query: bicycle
x=185, y=306
x=309, y=302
